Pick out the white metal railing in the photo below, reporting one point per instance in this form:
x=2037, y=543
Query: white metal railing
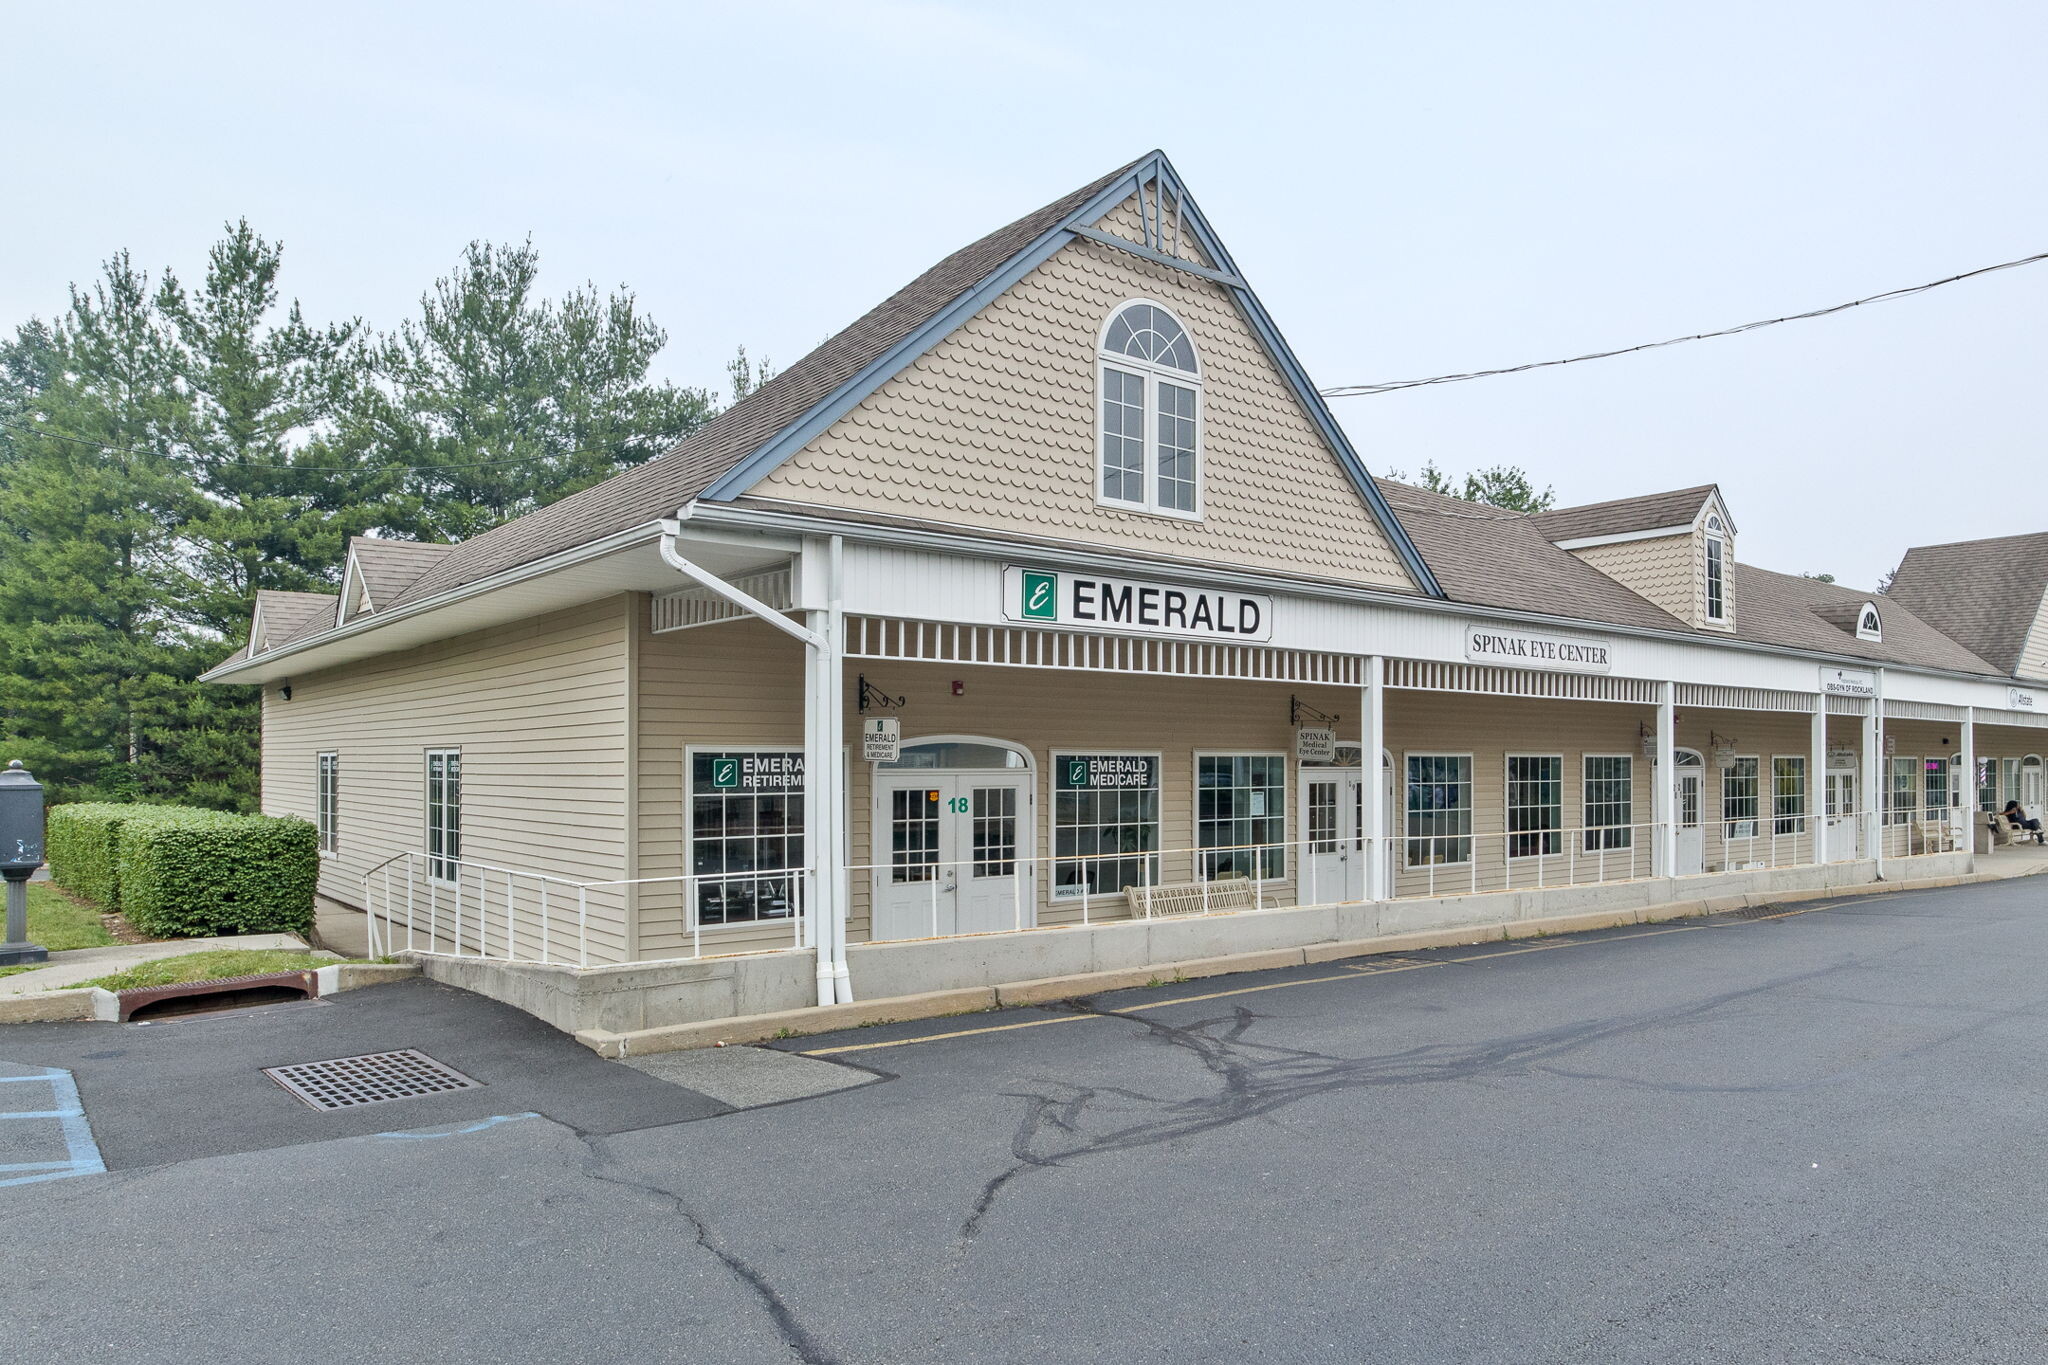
x=507, y=914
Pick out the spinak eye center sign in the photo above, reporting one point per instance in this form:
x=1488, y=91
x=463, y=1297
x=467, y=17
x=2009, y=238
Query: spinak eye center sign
x=1062, y=598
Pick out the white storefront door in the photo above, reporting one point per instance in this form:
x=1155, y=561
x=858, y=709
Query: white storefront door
x=1843, y=826
x=1691, y=854
x=1332, y=799
x=952, y=854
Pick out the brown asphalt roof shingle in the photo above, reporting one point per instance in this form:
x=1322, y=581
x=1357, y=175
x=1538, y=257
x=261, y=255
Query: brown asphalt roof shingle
x=389, y=567
x=1985, y=593
x=1805, y=613
x=1650, y=512
x=657, y=488
x=284, y=614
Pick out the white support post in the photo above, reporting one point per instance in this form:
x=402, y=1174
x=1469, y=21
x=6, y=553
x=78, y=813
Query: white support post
x=833, y=647
x=1664, y=791
x=1962, y=800
x=1817, y=780
x=817, y=777
x=1876, y=778
x=1372, y=731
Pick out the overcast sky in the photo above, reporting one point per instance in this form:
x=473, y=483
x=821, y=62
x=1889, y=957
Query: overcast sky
x=1413, y=188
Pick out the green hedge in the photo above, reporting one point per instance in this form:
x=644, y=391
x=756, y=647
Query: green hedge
x=178, y=871
x=83, y=844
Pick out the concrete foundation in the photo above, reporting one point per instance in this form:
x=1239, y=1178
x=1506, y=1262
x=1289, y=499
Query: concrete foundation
x=963, y=973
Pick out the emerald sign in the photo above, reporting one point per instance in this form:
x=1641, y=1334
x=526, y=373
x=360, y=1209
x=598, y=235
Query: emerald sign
x=1041, y=597
x=725, y=773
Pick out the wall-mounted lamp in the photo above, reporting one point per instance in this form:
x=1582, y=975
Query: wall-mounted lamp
x=959, y=688
x=285, y=692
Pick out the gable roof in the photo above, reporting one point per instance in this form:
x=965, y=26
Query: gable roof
x=281, y=615
x=1985, y=593
x=1622, y=516
x=1804, y=613
x=733, y=450
x=388, y=567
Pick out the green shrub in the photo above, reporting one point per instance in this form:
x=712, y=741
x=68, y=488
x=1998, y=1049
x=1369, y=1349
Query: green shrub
x=83, y=844
x=217, y=874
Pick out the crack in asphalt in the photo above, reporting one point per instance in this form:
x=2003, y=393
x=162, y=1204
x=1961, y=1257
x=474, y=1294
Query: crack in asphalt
x=795, y=1336
x=1255, y=1079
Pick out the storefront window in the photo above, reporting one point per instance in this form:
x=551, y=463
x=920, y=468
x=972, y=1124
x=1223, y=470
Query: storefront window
x=1788, y=795
x=1240, y=808
x=1738, y=798
x=1609, y=806
x=1905, y=791
x=1105, y=823
x=444, y=814
x=1987, y=784
x=747, y=834
x=1936, y=789
x=1535, y=804
x=1439, y=809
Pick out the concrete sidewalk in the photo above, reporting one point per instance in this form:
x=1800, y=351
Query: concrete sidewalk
x=85, y=964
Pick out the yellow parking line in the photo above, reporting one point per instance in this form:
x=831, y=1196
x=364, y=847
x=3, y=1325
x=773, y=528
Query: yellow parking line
x=957, y=1033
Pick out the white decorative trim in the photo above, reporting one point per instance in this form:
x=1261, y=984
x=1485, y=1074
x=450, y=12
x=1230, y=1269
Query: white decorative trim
x=688, y=607
x=1623, y=537
x=878, y=637
x=1743, y=698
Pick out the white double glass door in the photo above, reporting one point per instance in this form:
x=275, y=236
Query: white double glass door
x=1333, y=865
x=953, y=854
x=1844, y=833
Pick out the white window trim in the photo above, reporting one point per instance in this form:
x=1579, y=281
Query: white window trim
x=690, y=752
x=326, y=815
x=1727, y=835
x=1054, y=891
x=1287, y=773
x=1805, y=814
x=427, y=813
x=1635, y=770
x=1151, y=373
x=1471, y=836
x=1707, y=604
x=1873, y=632
x=1507, y=782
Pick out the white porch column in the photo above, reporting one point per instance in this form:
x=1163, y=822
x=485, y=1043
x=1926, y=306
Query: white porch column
x=1963, y=800
x=817, y=806
x=1876, y=780
x=835, y=851
x=1817, y=779
x=1372, y=731
x=1665, y=782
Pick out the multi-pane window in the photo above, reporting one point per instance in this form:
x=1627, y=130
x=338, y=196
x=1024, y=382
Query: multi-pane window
x=1738, y=798
x=1717, y=579
x=747, y=834
x=329, y=804
x=994, y=812
x=1439, y=809
x=2009, y=769
x=1788, y=794
x=1535, y=804
x=444, y=813
x=1935, y=775
x=1151, y=413
x=1105, y=823
x=1241, y=814
x=913, y=835
x=1905, y=791
x=1987, y=784
x=1610, y=801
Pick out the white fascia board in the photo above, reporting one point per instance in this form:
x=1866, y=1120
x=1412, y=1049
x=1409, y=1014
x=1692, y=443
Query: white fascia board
x=360, y=625
x=352, y=581
x=1094, y=557
x=1623, y=537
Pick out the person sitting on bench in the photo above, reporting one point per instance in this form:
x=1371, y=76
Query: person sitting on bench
x=2017, y=818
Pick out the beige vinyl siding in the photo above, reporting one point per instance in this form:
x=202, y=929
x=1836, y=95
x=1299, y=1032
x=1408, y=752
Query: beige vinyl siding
x=1662, y=570
x=2034, y=651
x=996, y=427
x=539, y=711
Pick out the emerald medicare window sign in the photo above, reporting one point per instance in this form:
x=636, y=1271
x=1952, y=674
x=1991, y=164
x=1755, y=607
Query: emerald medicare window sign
x=1061, y=598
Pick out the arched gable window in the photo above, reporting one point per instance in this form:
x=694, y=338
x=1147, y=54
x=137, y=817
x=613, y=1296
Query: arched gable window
x=1150, y=451
x=1869, y=625
x=1717, y=569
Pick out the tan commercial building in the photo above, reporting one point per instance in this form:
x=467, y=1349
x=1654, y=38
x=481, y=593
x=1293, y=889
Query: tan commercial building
x=1045, y=620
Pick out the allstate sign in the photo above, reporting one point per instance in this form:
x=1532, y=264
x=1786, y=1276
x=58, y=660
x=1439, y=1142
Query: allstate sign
x=1063, y=598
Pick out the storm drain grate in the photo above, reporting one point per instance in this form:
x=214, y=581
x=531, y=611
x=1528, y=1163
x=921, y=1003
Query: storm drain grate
x=346, y=1082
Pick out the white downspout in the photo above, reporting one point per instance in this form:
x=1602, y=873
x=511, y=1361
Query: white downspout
x=1881, y=764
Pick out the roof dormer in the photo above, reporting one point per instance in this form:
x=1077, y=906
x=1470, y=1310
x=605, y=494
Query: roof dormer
x=1675, y=549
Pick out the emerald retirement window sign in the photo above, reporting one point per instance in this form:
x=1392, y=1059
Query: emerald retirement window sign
x=1064, y=598
x=746, y=834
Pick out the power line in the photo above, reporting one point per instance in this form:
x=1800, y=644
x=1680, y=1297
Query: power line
x=1359, y=390
x=307, y=468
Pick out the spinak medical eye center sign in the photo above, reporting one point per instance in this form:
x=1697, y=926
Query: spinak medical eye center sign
x=1049, y=598
x=1524, y=649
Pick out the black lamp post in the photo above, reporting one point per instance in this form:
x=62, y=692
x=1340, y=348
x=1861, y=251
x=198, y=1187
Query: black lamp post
x=21, y=853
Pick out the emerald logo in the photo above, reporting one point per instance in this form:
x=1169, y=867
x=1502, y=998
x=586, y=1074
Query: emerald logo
x=725, y=772
x=1041, y=596
x=1077, y=772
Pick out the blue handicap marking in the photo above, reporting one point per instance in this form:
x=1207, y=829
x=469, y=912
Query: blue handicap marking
x=43, y=1116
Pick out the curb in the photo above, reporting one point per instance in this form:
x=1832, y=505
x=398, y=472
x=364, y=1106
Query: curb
x=75, y=1003
x=758, y=1028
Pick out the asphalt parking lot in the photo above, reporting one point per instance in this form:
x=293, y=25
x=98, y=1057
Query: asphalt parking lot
x=1814, y=1137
